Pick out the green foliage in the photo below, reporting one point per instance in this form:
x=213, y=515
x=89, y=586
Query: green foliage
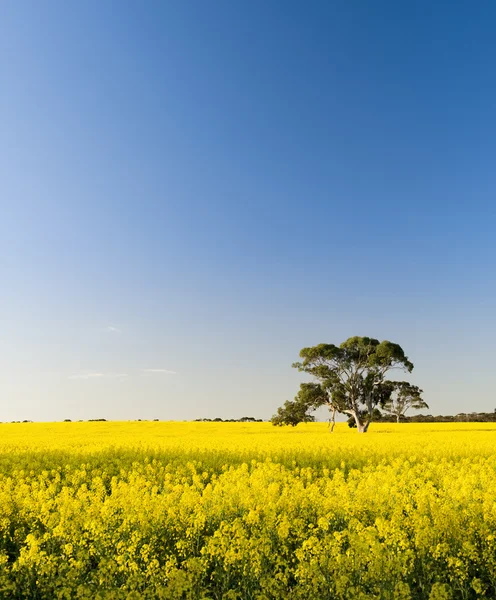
x=403, y=397
x=291, y=413
x=310, y=397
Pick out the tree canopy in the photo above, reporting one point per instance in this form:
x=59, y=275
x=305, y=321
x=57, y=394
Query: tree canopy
x=349, y=379
x=404, y=396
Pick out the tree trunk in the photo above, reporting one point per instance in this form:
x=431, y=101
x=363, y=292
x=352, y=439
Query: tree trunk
x=362, y=427
x=332, y=420
x=397, y=418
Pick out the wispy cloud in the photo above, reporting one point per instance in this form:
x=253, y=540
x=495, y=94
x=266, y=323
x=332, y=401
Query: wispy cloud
x=112, y=329
x=97, y=375
x=86, y=375
x=164, y=371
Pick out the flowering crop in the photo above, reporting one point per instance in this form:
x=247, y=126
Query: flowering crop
x=247, y=511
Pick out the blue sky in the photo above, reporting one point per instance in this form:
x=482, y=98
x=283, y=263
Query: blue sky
x=190, y=192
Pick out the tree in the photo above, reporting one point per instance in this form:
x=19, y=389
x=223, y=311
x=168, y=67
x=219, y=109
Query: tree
x=298, y=410
x=291, y=413
x=404, y=396
x=349, y=379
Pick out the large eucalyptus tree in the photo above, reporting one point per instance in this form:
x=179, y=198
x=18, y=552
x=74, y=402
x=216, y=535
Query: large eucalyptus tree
x=348, y=379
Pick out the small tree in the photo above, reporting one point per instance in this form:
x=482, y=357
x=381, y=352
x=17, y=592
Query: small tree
x=350, y=379
x=404, y=396
x=291, y=414
x=297, y=410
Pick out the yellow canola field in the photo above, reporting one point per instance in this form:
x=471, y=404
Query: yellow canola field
x=247, y=511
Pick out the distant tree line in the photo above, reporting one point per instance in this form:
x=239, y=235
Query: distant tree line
x=379, y=417
x=472, y=417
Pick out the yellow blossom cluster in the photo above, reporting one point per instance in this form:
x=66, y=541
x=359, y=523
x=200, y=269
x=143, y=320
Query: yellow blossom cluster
x=239, y=511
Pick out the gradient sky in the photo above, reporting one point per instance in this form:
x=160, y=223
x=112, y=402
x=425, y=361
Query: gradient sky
x=190, y=192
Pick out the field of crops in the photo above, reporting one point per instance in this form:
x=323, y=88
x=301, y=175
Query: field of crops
x=247, y=511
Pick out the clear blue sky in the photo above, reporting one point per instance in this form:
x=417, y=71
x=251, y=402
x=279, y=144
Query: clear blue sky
x=206, y=187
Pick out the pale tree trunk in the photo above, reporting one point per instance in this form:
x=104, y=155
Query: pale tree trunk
x=332, y=420
x=397, y=418
x=363, y=428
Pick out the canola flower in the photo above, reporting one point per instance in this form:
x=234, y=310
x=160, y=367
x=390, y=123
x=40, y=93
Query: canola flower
x=247, y=511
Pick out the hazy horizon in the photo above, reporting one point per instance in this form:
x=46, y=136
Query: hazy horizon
x=191, y=193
